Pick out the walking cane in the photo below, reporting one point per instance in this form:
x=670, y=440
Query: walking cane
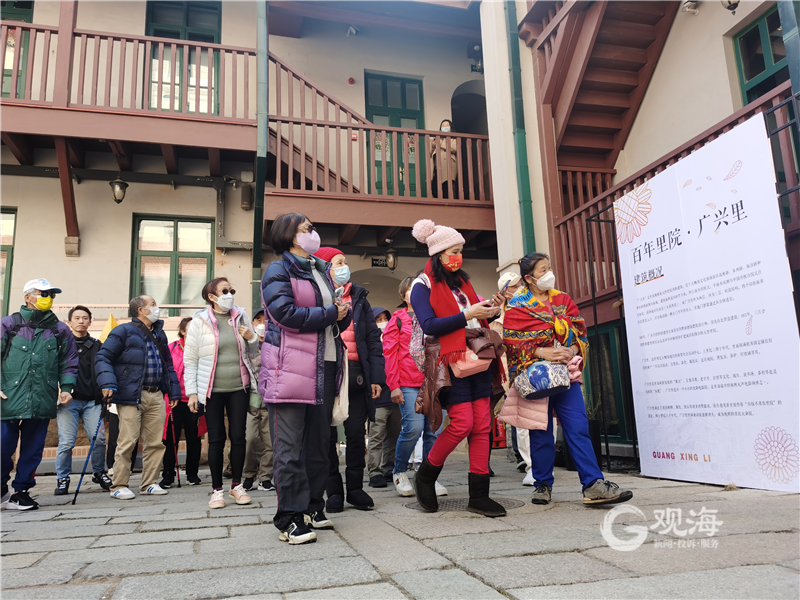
x=88, y=456
x=175, y=444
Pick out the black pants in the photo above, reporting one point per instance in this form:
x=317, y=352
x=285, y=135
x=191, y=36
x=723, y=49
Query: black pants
x=235, y=404
x=111, y=442
x=300, y=435
x=354, y=431
x=183, y=420
x=449, y=188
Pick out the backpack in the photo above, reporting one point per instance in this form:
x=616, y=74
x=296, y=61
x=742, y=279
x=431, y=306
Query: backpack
x=19, y=324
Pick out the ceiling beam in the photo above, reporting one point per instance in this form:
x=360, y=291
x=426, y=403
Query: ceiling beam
x=347, y=233
x=385, y=233
x=170, y=155
x=77, y=154
x=214, y=162
x=122, y=152
x=67, y=191
x=20, y=147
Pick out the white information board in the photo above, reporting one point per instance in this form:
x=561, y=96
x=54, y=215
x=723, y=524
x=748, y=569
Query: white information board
x=710, y=318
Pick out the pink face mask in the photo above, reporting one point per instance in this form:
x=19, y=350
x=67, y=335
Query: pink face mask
x=308, y=241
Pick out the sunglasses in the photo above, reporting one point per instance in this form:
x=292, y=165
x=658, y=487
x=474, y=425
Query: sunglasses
x=227, y=291
x=47, y=294
x=309, y=230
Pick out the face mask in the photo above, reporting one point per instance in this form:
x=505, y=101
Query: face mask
x=44, y=304
x=446, y=129
x=225, y=302
x=452, y=262
x=546, y=281
x=308, y=241
x=153, y=316
x=382, y=326
x=260, y=330
x=341, y=275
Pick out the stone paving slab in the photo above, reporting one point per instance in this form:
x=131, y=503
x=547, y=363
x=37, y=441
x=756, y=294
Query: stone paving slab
x=71, y=512
x=792, y=564
x=204, y=522
x=155, y=537
x=20, y=561
x=766, y=581
x=59, y=592
x=448, y=584
x=155, y=518
x=284, y=577
x=252, y=536
x=29, y=516
x=15, y=578
x=369, y=591
x=427, y=525
x=543, y=569
x=101, y=555
x=45, y=545
x=371, y=537
x=55, y=526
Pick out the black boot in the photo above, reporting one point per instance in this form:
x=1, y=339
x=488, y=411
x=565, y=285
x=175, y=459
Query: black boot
x=425, y=486
x=479, y=501
x=356, y=496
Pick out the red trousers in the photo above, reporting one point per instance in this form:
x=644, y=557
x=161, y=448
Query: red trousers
x=467, y=420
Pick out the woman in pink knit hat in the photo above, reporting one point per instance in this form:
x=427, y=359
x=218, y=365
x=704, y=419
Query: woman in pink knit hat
x=446, y=306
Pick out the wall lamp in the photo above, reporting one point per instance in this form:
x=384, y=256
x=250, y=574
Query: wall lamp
x=118, y=188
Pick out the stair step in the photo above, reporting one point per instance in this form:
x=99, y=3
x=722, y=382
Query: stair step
x=617, y=57
x=633, y=35
x=610, y=80
x=645, y=13
x=587, y=142
x=602, y=101
x=594, y=122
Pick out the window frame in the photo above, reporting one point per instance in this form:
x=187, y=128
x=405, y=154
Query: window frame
x=770, y=66
x=23, y=15
x=174, y=256
x=9, y=261
x=13, y=13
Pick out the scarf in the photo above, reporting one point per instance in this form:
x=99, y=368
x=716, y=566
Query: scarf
x=453, y=344
x=529, y=325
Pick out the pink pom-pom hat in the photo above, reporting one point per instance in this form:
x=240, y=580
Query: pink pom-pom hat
x=437, y=237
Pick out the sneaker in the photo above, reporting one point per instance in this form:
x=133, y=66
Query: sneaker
x=239, y=494
x=62, y=487
x=297, y=533
x=156, y=490
x=528, y=479
x=22, y=501
x=522, y=466
x=123, y=494
x=249, y=483
x=165, y=483
x=440, y=489
x=541, y=494
x=605, y=492
x=318, y=520
x=266, y=486
x=193, y=480
x=403, y=485
x=217, y=499
x=377, y=481
x=103, y=479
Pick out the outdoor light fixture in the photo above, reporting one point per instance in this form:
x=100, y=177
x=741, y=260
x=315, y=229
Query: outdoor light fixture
x=118, y=188
x=731, y=5
x=391, y=259
x=690, y=6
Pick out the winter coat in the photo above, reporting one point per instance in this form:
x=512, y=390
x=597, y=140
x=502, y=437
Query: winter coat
x=176, y=351
x=200, y=352
x=293, y=352
x=120, y=363
x=523, y=414
x=401, y=370
x=429, y=401
x=35, y=367
x=93, y=346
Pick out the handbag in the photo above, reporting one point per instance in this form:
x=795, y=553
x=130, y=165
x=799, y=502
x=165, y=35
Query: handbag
x=542, y=379
x=341, y=404
x=470, y=365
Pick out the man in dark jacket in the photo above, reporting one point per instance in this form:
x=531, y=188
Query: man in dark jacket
x=38, y=355
x=86, y=406
x=134, y=369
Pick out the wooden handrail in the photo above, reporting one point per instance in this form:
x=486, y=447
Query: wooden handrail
x=22, y=25
x=367, y=126
x=157, y=40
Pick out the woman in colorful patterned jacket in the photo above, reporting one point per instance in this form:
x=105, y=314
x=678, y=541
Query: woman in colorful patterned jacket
x=537, y=317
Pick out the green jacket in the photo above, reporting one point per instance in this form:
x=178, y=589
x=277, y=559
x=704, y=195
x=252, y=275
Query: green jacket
x=35, y=366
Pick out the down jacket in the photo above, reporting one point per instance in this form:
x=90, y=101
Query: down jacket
x=200, y=352
x=121, y=361
x=293, y=352
x=523, y=414
x=401, y=370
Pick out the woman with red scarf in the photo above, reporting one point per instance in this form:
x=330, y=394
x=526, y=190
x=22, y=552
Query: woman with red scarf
x=446, y=305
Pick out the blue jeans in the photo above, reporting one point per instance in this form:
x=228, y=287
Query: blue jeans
x=571, y=413
x=31, y=435
x=414, y=425
x=67, y=417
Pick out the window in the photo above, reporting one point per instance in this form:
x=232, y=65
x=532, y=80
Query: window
x=15, y=11
x=8, y=222
x=173, y=259
x=193, y=21
x=761, y=56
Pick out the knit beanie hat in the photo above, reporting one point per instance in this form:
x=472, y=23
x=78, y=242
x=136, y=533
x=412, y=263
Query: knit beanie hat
x=437, y=237
x=509, y=277
x=326, y=253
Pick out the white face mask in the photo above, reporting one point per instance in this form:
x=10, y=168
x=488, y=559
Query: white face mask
x=260, y=328
x=154, y=312
x=382, y=326
x=446, y=129
x=225, y=302
x=546, y=281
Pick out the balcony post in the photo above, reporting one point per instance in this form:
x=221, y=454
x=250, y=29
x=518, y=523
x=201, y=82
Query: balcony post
x=262, y=145
x=66, y=27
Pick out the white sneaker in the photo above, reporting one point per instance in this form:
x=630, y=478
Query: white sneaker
x=217, y=499
x=156, y=490
x=440, y=489
x=123, y=494
x=528, y=480
x=403, y=485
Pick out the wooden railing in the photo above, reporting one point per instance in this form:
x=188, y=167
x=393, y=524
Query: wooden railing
x=29, y=61
x=579, y=186
x=572, y=262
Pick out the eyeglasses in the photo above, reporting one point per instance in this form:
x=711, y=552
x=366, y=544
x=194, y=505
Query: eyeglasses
x=47, y=294
x=309, y=229
x=228, y=291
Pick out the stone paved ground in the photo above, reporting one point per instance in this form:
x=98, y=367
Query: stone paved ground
x=174, y=547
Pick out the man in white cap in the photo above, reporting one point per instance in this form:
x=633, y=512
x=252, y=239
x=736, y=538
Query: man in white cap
x=39, y=355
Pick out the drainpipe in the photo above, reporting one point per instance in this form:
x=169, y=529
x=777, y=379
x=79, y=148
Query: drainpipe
x=520, y=147
x=262, y=69
x=789, y=13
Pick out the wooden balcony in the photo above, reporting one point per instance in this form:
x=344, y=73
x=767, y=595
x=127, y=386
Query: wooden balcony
x=570, y=241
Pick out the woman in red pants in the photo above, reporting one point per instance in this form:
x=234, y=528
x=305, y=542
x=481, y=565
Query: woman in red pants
x=447, y=306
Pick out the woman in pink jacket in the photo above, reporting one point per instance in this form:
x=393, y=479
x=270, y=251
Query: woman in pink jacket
x=401, y=337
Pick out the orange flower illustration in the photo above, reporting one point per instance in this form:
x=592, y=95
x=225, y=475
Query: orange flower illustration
x=630, y=213
x=777, y=454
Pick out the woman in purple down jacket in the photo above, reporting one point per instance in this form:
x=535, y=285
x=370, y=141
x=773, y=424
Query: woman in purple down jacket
x=302, y=358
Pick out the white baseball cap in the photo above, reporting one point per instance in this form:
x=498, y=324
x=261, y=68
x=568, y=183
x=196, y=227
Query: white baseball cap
x=41, y=285
x=509, y=277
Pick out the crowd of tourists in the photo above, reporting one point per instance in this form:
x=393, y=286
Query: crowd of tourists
x=273, y=392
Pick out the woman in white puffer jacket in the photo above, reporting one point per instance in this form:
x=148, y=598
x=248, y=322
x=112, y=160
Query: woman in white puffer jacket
x=221, y=361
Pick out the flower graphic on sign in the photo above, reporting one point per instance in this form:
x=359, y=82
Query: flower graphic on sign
x=777, y=454
x=630, y=213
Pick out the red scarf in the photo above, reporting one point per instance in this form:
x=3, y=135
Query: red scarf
x=453, y=344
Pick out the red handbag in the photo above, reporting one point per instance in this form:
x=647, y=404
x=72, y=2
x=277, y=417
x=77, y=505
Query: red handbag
x=470, y=365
